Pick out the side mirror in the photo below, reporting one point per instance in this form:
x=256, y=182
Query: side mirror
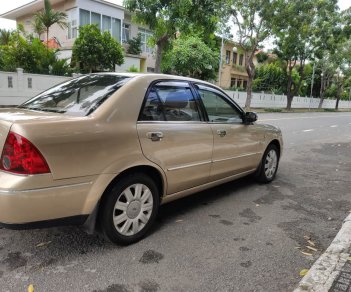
x=250, y=117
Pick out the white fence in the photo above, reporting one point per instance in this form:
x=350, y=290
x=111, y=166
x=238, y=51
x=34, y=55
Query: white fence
x=265, y=100
x=17, y=87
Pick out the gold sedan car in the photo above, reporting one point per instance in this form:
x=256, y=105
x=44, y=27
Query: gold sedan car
x=105, y=150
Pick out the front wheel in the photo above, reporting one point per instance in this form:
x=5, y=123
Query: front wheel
x=129, y=209
x=269, y=165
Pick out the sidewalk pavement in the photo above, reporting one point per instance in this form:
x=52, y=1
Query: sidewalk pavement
x=332, y=271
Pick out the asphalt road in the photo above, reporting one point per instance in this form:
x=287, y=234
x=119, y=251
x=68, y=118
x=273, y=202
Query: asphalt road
x=240, y=236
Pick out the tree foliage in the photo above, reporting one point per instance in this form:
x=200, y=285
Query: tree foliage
x=48, y=17
x=270, y=78
x=134, y=45
x=166, y=18
x=252, y=18
x=190, y=56
x=96, y=51
x=303, y=29
x=31, y=55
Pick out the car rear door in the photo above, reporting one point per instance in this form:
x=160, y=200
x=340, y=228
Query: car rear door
x=174, y=135
x=236, y=145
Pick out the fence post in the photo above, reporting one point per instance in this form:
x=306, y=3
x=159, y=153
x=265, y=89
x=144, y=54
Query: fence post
x=20, y=81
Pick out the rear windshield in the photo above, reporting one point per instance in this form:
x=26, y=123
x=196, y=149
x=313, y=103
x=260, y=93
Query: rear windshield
x=79, y=96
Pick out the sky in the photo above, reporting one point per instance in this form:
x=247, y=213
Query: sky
x=9, y=5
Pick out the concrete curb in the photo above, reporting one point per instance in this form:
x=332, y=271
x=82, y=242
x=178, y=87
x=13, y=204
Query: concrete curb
x=322, y=274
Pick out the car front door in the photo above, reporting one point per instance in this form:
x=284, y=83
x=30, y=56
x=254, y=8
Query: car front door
x=174, y=135
x=236, y=147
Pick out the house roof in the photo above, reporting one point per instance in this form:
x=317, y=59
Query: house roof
x=37, y=5
x=53, y=43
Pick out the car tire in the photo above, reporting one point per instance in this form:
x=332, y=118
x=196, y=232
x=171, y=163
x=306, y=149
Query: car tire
x=267, y=170
x=129, y=209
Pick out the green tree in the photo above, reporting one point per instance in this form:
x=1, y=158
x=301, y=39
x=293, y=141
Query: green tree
x=31, y=55
x=191, y=50
x=38, y=26
x=302, y=28
x=134, y=45
x=270, y=78
x=96, y=51
x=252, y=18
x=48, y=17
x=166, y=18
x=5, y=36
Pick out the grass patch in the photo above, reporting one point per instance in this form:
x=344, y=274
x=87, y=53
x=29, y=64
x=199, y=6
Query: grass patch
x=273, y=110
x=330, y=110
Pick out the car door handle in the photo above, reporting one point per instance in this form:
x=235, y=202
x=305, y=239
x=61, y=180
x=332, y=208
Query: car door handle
x=154, y=136
x=221, y=133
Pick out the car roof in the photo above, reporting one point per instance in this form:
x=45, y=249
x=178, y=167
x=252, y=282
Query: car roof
x=155, y=76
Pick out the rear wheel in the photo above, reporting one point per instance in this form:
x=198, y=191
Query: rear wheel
x=129, y=209
x=269, y=165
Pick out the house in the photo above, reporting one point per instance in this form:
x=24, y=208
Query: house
x=232, y=72
x=108, y=16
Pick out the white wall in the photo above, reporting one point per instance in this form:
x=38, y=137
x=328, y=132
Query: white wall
x=264, y=100
x=20, y=92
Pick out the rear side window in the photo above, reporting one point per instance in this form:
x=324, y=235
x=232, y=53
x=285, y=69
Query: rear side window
x=79, y=96
x=170, y=101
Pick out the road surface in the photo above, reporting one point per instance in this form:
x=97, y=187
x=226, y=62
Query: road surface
x=240, y=236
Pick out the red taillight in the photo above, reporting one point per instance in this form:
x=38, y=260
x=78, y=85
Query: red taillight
x=22, y=157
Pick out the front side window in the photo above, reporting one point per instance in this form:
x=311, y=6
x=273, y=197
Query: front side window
x=80, y=96
x=218, y=109
x=170, y=101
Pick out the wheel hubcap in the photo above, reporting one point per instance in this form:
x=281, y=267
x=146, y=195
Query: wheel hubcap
x=271, y=164
x=133, y=209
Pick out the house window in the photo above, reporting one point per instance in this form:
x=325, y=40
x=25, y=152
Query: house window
x=233, y=82
x=30, y=82
x=245, y=84
x=241, y=59
x=125, y=32
x=116, y=29
x=227, y=57
x=240, y=84
x=84, y=17
x=235, y=57
x=145, y=36
x=96, y=19
x=106, y=23
x=9, y=82
x=72, y=28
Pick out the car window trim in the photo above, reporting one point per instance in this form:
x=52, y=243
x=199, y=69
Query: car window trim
x=193, y=92
x=221, y=94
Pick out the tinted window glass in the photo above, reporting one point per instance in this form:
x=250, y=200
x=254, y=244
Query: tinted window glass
x=79, y=96
x=218, y=109
x=170, y=101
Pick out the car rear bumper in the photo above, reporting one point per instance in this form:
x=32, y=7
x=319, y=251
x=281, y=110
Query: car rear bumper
x=40, y=201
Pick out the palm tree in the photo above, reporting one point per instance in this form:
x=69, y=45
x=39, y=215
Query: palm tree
x=38, y=26
x=49, y=17
x=5, y=36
